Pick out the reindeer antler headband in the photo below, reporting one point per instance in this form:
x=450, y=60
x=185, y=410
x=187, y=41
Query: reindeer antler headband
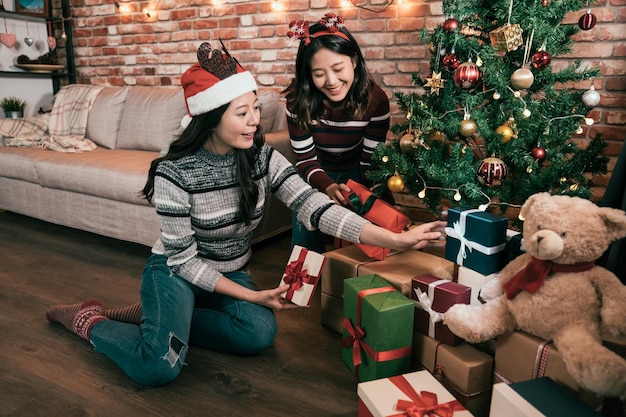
x=216, y=79
x=299, y=29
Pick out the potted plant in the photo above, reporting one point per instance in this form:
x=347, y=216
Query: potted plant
x=13, y=107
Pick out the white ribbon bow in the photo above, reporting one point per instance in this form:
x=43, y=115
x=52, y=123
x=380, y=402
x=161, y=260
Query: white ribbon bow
x=458, y=232
x=426, y=305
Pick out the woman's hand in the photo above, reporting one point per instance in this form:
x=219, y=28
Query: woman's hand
x=334, y=193
x=417, y=237
x=273, y=299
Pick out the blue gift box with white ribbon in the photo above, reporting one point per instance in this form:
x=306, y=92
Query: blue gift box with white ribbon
x=476, y=239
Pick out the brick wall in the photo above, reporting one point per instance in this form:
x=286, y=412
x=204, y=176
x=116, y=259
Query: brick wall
x=113, y=47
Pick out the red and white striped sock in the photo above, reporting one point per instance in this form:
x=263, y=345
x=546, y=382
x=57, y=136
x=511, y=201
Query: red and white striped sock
x=78, y=318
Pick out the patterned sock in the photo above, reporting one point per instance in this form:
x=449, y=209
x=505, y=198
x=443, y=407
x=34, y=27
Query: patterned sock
x=78, y=318
x=128, y=314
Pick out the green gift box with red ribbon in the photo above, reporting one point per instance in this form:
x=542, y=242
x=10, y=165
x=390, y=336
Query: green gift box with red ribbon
x=377, y=328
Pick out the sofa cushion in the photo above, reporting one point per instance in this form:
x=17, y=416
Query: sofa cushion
x=108, y=173
x=105, y=116
x=19, y=163
x=151, y=118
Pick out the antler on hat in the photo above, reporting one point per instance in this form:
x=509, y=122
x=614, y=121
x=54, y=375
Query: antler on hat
x=216, y=79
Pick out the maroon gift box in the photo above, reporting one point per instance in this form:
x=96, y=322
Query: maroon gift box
x=434, y=295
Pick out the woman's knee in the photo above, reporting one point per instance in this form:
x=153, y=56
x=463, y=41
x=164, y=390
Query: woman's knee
x=160, y=368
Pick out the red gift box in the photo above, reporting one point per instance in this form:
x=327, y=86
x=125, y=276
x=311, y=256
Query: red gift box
x=365, y=203
x=433, y=295
x=303, y=274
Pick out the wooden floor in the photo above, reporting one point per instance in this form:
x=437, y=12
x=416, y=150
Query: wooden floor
x=47, y=371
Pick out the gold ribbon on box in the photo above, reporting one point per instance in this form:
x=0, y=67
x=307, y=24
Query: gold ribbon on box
x=458, y=232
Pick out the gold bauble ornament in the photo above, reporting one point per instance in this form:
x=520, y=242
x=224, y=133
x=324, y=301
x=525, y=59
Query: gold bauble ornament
x=407, y=142
x=468, y=128
x=522, y=78
x=506, y=132
x=395, y=183
x=437, y=136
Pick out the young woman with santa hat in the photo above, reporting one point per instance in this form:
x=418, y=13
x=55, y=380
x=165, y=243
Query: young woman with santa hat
x=209, y=191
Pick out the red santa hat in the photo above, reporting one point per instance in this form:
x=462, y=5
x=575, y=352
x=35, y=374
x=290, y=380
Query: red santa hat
x=217, y=79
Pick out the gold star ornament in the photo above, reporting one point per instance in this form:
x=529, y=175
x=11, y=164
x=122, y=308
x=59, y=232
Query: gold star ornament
x=435, y=83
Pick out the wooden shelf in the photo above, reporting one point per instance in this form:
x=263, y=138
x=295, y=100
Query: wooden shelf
x=56, y=76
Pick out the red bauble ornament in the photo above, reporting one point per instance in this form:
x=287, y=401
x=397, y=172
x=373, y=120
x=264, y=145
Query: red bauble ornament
x=467, y=75
x=539, y=153
x=450, y=24
x=587, y=21
x=540, y=59
x=492, y=171
x=451, y=61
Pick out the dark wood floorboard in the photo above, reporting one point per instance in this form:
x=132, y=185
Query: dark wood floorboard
x=47, y=371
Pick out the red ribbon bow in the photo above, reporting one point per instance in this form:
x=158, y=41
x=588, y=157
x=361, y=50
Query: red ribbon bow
x=532, y=277
x=423, y=404
x=296, y=275
x=356, y=334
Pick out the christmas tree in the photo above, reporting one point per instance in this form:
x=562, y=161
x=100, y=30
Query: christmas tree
x=494, y=123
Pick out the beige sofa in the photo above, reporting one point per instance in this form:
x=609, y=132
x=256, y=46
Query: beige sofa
x=98, y=191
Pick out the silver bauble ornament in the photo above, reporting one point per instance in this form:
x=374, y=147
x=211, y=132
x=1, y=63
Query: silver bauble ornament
x=591, y=97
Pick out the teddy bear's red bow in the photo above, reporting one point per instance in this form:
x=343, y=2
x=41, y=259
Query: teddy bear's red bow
x=532, y=277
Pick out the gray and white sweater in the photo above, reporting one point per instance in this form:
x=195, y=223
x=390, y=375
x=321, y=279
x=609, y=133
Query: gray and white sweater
x=197, y=200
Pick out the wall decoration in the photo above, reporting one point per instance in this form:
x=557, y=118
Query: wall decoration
x=32, y=7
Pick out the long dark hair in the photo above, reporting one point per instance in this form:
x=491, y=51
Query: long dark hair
x=304, y=99
x=193, y=139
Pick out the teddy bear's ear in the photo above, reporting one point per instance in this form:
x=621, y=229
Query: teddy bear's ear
x=530, y=202
x=615, y=222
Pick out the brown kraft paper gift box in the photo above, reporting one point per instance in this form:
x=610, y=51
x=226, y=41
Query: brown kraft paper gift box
x=464, y=370
x=520, y=356
x=398, y=269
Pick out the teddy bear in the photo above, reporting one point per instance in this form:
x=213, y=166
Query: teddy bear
x=554, y=290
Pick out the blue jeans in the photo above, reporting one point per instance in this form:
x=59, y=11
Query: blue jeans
x=176, y=314
x=314, y=239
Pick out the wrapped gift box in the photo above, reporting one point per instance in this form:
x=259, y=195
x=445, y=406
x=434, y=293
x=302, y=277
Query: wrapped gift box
x=506, y=38
x=520, y=356
x=398, y=269
x=475, y=281
x=302, y=273
x=392, y=396
x=462, y=369
x=476, y=239
x=376, y=210
x=377, y=328
x=540, y=397
x=434, y=295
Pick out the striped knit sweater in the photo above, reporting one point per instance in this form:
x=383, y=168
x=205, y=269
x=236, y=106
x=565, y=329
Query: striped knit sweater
x=339, y=142
x=202, y=234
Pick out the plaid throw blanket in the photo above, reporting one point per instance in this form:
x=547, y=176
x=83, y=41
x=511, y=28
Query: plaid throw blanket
x=63, y=130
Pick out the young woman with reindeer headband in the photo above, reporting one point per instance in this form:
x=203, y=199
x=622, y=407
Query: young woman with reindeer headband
x=209, y=191
x=336, y=114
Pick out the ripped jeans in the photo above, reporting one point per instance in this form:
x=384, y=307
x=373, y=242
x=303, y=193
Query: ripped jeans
x=176, y=314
